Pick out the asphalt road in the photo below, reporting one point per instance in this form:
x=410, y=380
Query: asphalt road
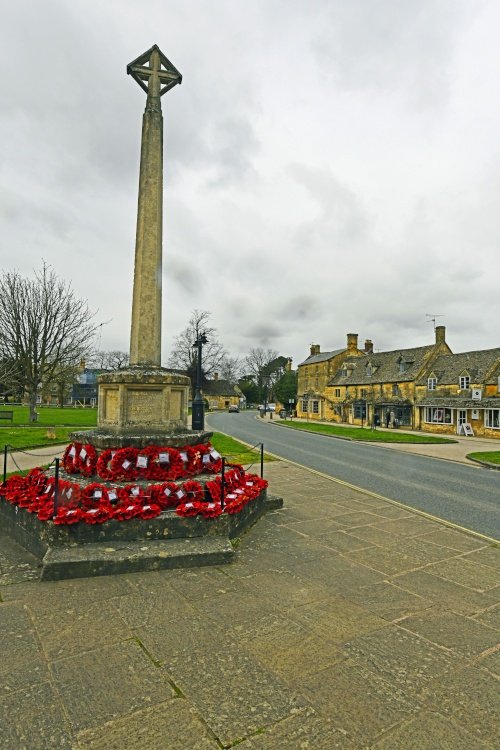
x=465, y=495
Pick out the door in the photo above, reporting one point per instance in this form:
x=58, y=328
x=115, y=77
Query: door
x=461, y=419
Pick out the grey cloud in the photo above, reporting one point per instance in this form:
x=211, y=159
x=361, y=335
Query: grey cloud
x=392, y=44
x=303, y=307
x=183, y=274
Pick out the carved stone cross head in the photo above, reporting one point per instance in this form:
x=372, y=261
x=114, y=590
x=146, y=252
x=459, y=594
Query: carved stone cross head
x=154, y=72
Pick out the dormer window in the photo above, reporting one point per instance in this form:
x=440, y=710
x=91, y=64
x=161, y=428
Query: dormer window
x=431, y=383
x=369, y=370
x=464, y=382
x=402, y=366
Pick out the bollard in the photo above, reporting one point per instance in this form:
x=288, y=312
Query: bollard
x=222, y=486
x=56, y=487
x=5, y=451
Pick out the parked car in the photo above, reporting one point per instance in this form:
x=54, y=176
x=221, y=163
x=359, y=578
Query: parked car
x=233, y=409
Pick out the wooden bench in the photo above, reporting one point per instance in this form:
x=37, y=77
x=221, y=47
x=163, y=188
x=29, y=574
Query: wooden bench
x=7, y=415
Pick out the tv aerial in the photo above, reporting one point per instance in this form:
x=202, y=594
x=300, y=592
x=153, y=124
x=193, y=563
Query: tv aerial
x=433, y=316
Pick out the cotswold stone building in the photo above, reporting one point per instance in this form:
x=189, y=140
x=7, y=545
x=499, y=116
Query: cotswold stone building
x=221, y=394
x=461, y=389
x=424, y=388
x=314, y=373
x=380, y=386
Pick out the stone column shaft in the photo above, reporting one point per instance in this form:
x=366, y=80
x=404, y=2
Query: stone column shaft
x=145, y=336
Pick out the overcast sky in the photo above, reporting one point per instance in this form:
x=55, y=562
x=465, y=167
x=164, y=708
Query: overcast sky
x=331, y=166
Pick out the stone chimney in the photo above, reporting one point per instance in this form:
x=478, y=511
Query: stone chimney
x=288, y=366
x=440, y=334
x=352, y=342
x=369, y=346
x=216, y=375
x=315, y=349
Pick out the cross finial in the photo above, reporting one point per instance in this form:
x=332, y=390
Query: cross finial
x=154, y=73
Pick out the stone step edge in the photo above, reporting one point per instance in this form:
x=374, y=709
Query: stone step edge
x=102, y=558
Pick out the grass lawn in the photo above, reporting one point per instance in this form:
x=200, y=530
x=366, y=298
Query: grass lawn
x=237, y=452
x=49, y=415
x=33, y=437
x=361, y=433
x=491, y=457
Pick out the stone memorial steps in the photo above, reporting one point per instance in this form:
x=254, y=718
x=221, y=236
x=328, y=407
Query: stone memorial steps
x=101, y=558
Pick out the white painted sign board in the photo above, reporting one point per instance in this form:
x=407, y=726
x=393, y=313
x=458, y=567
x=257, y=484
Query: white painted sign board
x=466, y=429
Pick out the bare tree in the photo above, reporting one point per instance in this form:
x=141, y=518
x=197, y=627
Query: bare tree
x=257, y=360
x=183, y=355
x=8, y=378
x=44, y=328
x=231, y=369
x=108, y=360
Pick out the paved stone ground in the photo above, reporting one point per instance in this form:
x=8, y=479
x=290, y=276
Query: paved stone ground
x=346, y=622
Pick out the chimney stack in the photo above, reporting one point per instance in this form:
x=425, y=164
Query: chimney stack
x=216, y=375
x=352, y=342
x=288, y=366
x=440, y=334
x=315, y=349
x=369, y=346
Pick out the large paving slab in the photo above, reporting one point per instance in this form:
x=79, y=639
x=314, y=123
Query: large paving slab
x=344, y=621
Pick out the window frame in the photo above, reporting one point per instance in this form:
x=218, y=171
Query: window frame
x=464, y=382
x=489, y=418
x=438, y=414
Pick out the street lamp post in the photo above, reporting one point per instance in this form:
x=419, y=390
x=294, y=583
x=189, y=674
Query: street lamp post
x=198, y=407
x=265, y=383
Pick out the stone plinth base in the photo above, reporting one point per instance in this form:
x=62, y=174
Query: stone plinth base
x=102, y=438
x=143, y=400
x=167, y=541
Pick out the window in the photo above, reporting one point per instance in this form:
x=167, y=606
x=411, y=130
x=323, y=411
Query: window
x=395, y=389
x=304, y=405
x=363, y=393
x=431, y=384
x=337, y=392
x=402, y=366
x=492, y=418
x=464, y=382
x=435, y=415
x=344, y=372
x=359, y=411
x=369, y=370
x=315, y=407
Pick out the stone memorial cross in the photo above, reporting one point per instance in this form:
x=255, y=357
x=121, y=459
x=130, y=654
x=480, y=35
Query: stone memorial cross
x=156, y=75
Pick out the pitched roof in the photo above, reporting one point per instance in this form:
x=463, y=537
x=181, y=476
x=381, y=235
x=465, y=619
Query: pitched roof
x=480, y=365
x=321, y=357
x=220, y=388
x=385, y=367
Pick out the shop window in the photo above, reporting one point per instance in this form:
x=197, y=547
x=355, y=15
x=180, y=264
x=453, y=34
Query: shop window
x=359, y=411
x=438, y=416
x=492, y=418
